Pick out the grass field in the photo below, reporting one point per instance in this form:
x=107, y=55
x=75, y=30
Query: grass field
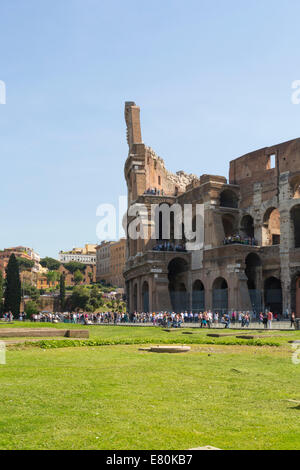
x=231, y=396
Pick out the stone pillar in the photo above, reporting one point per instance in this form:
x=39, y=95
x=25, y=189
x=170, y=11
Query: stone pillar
x=285, y=238
x=139, y=296
x=257, y=201
x=131, y=296
x=190, y=291
x=162, y=296
x=209, y=299
x=150, y=283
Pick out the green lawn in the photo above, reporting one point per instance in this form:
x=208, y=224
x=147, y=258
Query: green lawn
x=117, y=397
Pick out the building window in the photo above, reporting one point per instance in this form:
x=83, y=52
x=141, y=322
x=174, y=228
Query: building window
x=271, y=161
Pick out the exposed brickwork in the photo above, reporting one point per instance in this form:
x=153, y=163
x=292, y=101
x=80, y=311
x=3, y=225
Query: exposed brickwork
x=260, y=200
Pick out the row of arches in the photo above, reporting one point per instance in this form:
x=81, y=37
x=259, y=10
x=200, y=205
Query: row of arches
x=229, y=198
x=269, y=296
x=272, y=296
x=270, y=226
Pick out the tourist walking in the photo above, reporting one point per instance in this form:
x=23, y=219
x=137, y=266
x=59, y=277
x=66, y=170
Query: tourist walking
x=293, y=316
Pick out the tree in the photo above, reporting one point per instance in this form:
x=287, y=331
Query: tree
x=78, y=277
x=62, y=291
x=52, y=277
x=96, y=300
x=31, y=308
x=80, y=298
x=12, y=298
x=25, y=263
x=1, y=291
x=31, y=291
x=50, y=263
x=120, y=306
x=73, y=266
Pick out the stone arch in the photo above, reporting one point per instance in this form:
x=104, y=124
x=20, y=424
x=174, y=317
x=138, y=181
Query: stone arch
x=295, y=221
x=220, y=295
x=295, y=294
x=229, y=225
x=198, y=296
x=271, y=227
x=273, y=295
x=177, y=275
x=295, y=187
x=228, y=198
x=247, y=226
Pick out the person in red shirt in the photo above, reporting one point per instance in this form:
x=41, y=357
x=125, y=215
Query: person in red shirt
x=270, y=318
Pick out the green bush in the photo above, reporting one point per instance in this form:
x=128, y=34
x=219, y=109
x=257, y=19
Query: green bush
x=66, y=343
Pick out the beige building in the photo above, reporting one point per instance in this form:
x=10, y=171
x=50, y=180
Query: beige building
x=86, y=255
x=20, y=252
x=117, y=262
x=110, y=262
x=103, y=262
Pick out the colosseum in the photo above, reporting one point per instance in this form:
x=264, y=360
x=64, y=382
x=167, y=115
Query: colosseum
x=250, y=259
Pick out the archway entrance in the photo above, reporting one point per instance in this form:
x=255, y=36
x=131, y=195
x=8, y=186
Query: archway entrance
x=220, y=295
x=295, y=294
x=295, y=218
x=273, y=295
x=228, y=198
x=228, y=225
x=253, y=273
x=247, y=226
x=198, y=298
x=271, y=227
x=177, y=269
x=145, y=297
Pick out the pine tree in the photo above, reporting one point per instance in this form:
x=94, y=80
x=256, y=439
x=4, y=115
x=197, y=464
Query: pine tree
x=12, y=297
x=62, y=292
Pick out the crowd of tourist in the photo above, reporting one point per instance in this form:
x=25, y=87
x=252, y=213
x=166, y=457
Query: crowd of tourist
x=206, y=319
x=169, y=246
x=154, y=192
x=239, y=239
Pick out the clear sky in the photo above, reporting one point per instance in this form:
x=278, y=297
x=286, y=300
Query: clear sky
x=213, y=79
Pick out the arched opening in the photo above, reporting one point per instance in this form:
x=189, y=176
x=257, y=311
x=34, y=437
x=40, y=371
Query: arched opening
x=295, y=219
x=177, y=269
x=220, y=295
x=273, y=295
x=271, y=227
x=228, y=225
x=247, y=226
x=198, y=297
x=135, y=298
x=253, y=272
x=145, y=297
x=228, y=198
x=169, y=230
x=295, y=187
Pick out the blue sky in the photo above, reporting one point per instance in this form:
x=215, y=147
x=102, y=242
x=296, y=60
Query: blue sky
x=213, y=80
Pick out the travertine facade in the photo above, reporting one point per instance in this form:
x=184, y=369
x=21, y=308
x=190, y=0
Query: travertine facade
x=256, y=213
